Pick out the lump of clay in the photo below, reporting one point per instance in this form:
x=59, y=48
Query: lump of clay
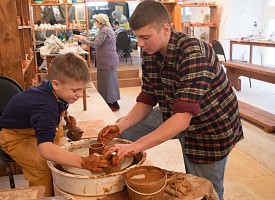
x=111, y=167
x=75, y=133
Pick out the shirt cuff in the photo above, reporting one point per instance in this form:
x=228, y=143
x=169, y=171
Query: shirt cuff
x=181, y=107
x=147, y=99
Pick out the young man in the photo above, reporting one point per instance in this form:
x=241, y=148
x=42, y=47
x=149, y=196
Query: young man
x=196, y=103
x=30, y=119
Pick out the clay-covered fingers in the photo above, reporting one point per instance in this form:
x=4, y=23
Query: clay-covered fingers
x=119, y=152
x=94, y=162
x=70, y=120
x=108, y=133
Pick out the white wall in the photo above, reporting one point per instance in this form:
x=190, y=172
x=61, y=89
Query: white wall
x=236, y=20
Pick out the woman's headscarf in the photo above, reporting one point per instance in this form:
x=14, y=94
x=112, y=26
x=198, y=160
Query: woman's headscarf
x=103, y=19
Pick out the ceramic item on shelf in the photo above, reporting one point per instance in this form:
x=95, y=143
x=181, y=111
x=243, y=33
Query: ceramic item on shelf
x=18, y=21
x=30, y=54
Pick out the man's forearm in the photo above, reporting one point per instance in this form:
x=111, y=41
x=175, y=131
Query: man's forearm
x=138, y=113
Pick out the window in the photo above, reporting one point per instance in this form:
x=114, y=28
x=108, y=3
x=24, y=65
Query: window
x=270, y=52
x=269, y=58
x=272, y=3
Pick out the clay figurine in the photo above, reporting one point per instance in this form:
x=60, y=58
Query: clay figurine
x=75, y=133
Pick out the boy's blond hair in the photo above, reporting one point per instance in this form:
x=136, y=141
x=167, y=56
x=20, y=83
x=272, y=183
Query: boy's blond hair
x=69, y=66
x=151, y=13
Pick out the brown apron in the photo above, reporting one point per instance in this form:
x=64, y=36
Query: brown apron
x=21, y=145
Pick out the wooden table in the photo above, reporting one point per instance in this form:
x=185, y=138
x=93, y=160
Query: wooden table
x=50, y=57
x=251, y=43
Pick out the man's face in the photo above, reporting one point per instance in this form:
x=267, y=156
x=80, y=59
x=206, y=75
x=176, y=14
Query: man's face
x=70, y=91
x=150, y=40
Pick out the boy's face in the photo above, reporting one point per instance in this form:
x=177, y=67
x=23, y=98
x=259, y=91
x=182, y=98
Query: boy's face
x=70, y=91
x=152, y=40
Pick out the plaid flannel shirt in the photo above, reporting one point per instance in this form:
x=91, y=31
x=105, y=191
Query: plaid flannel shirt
x=190, y=79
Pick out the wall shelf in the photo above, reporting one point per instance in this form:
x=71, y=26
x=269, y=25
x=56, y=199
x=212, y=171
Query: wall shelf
x=16, y=42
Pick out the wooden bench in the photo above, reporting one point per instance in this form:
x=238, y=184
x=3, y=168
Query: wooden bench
x=236, y=69
x=258, y=116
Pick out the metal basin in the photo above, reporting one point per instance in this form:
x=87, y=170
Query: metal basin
x=96, y=185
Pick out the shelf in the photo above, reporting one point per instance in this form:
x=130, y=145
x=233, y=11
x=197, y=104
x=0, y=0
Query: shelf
x=48, y=4
x=42, y=73
x=167, y=2
x=83, y=23
x=23, y=27
x=55, y=4
x=60, y=29
x=198, y=25
x=26, y=64
x=192, y=5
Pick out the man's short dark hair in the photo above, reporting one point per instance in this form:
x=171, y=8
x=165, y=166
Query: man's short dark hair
x=151, y=13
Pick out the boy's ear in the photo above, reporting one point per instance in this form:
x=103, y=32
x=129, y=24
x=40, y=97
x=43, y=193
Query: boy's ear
x=55, y=84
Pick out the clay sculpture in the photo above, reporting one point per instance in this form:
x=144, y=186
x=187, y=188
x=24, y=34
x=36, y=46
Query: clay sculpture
x=74, y=132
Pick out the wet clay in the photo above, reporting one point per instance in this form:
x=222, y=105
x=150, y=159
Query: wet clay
x=146, y=182
x=111, y=167
x=96, y=148
x=75, y=133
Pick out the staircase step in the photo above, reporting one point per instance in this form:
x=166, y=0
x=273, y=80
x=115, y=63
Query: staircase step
x=128, y=82
x=122, y=74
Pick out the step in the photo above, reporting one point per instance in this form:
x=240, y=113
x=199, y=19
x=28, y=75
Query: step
x=122, y=74
x=258, y=116
x=129, y=82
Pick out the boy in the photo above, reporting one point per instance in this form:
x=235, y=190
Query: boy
x=196, y=103
x=30, y=119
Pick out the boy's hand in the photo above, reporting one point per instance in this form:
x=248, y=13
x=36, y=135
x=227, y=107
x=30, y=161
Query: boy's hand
x=70, y=121
x=94, y=162
x=108, y=133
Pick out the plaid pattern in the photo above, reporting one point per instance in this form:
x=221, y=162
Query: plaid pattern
x=190, y=79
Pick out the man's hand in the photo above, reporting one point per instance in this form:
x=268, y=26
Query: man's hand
x=94, y=162
x=108, y=133
x=122, y=151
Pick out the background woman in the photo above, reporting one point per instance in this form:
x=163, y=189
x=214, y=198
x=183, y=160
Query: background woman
x=107, y=60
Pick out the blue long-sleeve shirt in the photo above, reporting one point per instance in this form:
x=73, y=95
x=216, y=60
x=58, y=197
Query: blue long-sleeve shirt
x=36, y=108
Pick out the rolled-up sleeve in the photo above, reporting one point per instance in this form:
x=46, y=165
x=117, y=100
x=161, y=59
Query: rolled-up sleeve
x=181, y=107
x=147, y=99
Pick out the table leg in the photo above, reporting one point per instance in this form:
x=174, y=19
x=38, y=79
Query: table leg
x=250, y=53
x=84, y=100
x=234, y=79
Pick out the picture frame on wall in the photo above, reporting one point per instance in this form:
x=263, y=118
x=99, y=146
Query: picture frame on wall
x=79, y=14
x=119, y=8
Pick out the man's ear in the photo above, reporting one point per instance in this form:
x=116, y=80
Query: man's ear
x=55, y=84
x=166, y=29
